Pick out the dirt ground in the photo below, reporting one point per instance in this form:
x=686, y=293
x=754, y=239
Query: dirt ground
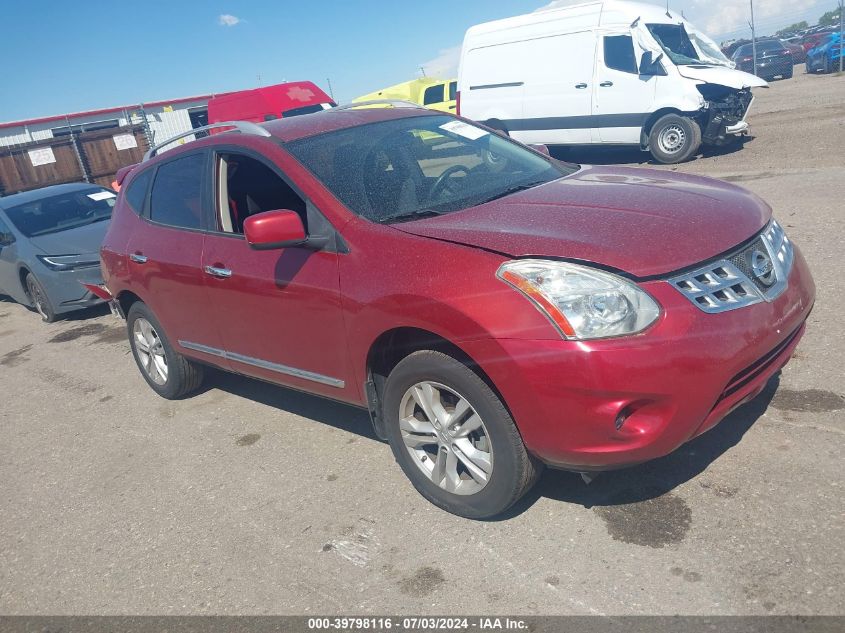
x=250, y=499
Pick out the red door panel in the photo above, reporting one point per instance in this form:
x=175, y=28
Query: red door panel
x=279, y=315
x=165, y=271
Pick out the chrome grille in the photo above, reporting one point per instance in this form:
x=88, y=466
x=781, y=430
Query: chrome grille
x=757, y=272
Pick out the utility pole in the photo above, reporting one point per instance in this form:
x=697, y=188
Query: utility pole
x=754, y=38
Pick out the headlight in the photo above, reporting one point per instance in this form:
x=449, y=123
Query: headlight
x=69, y=262
x=581, y=302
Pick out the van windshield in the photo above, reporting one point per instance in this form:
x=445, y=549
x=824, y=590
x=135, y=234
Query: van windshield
x=408, y=168
x=687, y=47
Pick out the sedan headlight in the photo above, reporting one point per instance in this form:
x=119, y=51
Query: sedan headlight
x=582, y=303
x=69, y=262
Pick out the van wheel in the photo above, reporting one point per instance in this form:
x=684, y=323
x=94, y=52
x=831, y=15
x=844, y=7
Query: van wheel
x=453, y=437
x=39, y=299
x=170, y=374
x=674, y=139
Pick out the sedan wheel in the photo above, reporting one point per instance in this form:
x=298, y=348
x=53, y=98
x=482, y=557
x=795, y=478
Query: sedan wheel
x=150, y=351
x=446, y=438
x=39, y=299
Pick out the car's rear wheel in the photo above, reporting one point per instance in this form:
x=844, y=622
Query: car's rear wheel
x=40, y=302
x=674, y=139
x=170, y=374
x=453, y=437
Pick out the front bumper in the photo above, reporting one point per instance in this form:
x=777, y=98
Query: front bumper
x=66, y=289
x=608, y=404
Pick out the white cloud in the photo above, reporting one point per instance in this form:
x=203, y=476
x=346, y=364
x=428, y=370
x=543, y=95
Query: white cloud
x=445, y=65
x=226, y=19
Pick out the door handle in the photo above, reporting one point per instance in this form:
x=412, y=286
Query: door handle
x=222, y=273
x=606, y=84
x=138, y=258
x=581, y=86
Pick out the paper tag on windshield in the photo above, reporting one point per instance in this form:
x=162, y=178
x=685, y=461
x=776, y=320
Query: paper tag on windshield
x=463, y=129
x=101, y=195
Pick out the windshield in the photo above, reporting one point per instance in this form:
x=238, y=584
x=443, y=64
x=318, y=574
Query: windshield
x=62, y=212
x=687, y=47
x=427, y=165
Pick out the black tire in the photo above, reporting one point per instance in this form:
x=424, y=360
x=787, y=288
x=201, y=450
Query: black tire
x=674, y=139
x=183, y=375
x=40, y=302
x=513, y=470
x=498, y=126
x=788, y=74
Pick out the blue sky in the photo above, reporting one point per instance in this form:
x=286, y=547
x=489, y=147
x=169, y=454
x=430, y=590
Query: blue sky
x=68, y=56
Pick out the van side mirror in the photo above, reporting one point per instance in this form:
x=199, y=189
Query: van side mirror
x=6, y=239
x=274, y=229
x=651, y=66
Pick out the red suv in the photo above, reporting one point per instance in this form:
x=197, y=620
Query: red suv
x=494, y=309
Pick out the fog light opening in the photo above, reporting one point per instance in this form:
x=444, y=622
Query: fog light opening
x=623, y=416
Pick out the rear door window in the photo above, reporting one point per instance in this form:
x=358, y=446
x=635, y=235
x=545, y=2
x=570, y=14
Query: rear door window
x=136, y=194
x=176, y=197
x=453, y=90
x=619, y=53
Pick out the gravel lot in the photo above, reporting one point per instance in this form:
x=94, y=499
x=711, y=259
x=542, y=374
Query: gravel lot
x=252, y=499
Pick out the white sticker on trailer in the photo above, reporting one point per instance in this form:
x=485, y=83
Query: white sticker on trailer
x=124, y=141
x=101, y=195
x=42, y=156
x=464, y=129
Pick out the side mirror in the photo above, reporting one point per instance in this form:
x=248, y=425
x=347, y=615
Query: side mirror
x=537, y=147
x=274, y=229
x=650, y=65
x=6, y=239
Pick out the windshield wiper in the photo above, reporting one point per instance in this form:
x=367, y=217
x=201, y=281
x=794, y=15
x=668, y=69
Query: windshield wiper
x=513, y=189
x=409, y=215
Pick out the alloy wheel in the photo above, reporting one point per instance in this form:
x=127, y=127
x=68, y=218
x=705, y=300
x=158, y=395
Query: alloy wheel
x=37, y=299
x=150, y=350
x=446, y=438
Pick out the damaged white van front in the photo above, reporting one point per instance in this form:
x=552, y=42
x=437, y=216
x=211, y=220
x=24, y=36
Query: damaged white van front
x=610, y=72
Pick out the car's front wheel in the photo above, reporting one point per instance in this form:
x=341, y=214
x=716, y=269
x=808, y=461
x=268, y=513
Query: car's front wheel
x=170, y=374
x=454, y=438
x=40, y=301
x=674, y=139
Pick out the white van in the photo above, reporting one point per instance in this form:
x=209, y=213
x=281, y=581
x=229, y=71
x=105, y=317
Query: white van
x=608, y=72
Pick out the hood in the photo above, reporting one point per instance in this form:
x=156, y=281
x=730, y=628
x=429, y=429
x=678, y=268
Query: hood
x=79, y=241
x=641, y=221
x=722, y=76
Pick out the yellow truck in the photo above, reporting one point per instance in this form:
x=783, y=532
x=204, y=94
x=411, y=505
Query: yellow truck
x=437, y=94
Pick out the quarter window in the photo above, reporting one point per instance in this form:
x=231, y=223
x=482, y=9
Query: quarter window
x=434, y=94
x=136, y=194
x=176, y=198
x=619, y=53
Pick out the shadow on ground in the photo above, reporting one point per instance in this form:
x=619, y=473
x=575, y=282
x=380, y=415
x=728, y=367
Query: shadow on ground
x=633, y=485
x=627, y=155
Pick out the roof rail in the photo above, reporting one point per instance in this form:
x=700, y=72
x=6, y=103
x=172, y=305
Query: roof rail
x=244, y=127
x=396, y=103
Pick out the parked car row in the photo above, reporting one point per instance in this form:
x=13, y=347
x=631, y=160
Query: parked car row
x=826, y=56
